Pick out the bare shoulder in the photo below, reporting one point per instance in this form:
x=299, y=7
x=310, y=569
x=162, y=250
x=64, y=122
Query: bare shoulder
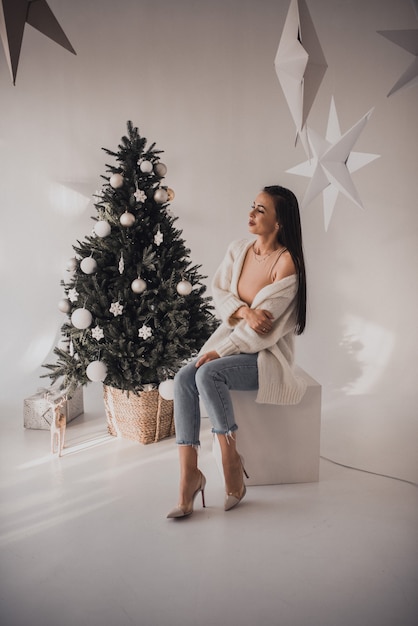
x=284, y=267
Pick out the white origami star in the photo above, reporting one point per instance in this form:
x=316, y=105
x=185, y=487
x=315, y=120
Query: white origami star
x=13, y=16
x=116, y=308
x=332, y=163
x=408, y=40
x=145, y=331
x=300, y=63
x=97, y=333
x=140, y=195
x=73, y=295
x=158, y=238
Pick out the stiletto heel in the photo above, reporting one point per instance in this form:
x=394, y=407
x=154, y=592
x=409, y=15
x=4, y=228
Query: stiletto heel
x=232, y=499
x=180, y=511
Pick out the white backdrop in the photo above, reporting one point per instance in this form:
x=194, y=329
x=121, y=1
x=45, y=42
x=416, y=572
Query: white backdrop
x=198, y=78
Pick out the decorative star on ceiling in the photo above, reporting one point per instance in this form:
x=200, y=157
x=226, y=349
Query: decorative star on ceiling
x=408, y=40
x=300, y=63
x=332, y=163
x=14, y=14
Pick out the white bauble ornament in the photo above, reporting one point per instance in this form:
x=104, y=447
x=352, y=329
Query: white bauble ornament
x=72, y=264
x=96, y=371
x=161, y=195
x=116, y=181
x=102, y=228
x=127, y=219
x=160, y=169
x=64, y=305
x=138, y=285
x=81, y=318
x=88, y=265
x=184, y=288
x=166, y=389
x=145, y=167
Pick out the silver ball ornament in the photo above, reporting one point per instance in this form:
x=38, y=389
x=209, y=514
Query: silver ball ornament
x=184, y=288
x=71, y=264
x=138, y=285
x=160, y=169
x=64, y=305
x=88, y=265
x=116, y=181
x=127, y=219
x=145, y=167
x=160, y=195
x=96, y=371
x=166, y=389
x=81, y=318
x=102, y=228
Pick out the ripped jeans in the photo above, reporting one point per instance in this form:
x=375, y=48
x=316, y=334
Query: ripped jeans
x=211, y=382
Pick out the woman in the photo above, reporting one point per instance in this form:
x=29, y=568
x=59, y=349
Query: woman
x=259, y=291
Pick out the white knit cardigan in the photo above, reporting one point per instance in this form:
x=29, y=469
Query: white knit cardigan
x=278, y=384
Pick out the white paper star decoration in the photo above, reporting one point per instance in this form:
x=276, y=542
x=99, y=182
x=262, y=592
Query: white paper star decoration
x=332, y=163
x=14, y=14
x=97, y=333
x=300, y=63
x=116, y=308
x=158, y=237
x=145, y=331
x=140, y=196
x=73, y=295
x=408, y=40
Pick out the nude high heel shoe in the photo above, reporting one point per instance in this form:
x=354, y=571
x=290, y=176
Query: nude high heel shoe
x=180, y=511
x=234, y=498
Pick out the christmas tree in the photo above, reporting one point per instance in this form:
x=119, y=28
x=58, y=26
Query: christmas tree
x=135, y=303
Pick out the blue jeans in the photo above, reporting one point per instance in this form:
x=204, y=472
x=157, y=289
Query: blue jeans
x=211, y=382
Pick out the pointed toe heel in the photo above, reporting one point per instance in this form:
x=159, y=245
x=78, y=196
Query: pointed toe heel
x=184, y=511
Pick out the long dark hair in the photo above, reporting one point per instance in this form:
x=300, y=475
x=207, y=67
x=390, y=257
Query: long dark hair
x=290, y=235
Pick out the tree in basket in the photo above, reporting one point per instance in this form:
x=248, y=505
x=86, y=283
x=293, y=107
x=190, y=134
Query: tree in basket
x=135, y=303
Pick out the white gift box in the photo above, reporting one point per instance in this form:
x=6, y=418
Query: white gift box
x=38, y=410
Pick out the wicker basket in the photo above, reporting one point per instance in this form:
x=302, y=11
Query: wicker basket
x=146, y=417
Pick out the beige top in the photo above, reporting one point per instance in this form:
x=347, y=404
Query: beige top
x=257, y=272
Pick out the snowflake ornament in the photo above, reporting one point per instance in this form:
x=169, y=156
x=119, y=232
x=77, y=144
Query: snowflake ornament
x=116, y=308
x=145, y=331
x=158, y=238
x=73, y=295
x=97, y=333
x=140, y=195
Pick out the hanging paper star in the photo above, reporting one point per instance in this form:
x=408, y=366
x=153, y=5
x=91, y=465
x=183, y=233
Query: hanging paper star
x=116, y=308
x=332, y=163
x=158, y=237
x=145, y=331
x=73, y=295
x=300, y=63
x=140, y=195
x=13, y=16
x=408, y=40
x=97, y=333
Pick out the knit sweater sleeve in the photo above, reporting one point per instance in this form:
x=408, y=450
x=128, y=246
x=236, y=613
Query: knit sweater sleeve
x=279, y=299
x=225, y=281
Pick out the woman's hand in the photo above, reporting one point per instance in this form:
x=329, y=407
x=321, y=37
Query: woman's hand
x=209, y=356
x=260, y=320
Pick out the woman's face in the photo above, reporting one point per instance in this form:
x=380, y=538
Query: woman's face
x=262, y=218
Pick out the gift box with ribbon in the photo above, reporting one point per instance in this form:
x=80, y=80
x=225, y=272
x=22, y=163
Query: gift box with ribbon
x=38, y=410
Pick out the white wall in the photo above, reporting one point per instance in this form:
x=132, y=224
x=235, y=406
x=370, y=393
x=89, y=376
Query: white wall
x=197, y=77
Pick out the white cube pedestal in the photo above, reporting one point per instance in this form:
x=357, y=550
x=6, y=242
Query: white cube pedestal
x=280, y=444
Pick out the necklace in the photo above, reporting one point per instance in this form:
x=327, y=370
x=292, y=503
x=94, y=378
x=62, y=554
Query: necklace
x=261, y=258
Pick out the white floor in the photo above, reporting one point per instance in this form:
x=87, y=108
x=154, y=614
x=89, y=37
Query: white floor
x=84, y=540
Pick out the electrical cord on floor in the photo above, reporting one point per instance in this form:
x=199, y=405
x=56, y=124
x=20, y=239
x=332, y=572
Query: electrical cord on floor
x=358, y=469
